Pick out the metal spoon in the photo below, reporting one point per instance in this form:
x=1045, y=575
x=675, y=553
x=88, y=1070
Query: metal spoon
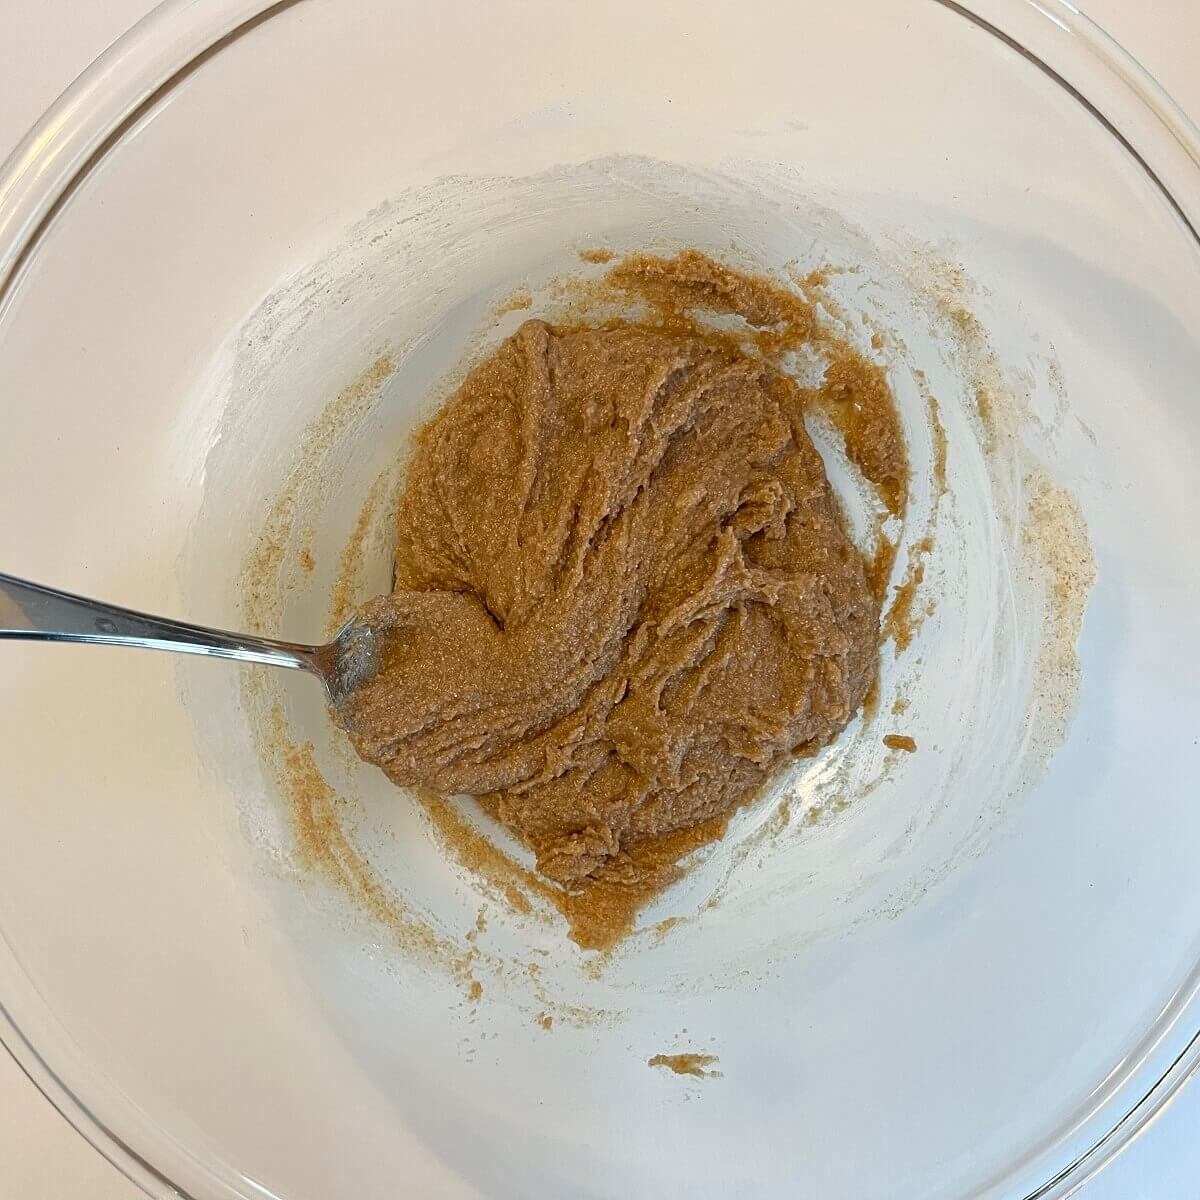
x=31, y=612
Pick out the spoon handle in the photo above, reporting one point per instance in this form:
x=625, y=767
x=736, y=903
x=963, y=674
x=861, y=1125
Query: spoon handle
x=31, y=612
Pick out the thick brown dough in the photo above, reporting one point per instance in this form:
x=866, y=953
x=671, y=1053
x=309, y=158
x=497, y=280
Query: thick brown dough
x=624, y=595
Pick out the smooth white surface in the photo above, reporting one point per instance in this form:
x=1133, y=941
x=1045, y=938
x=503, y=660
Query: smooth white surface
x=41, y=1156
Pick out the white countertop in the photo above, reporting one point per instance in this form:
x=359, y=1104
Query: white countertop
x=44, y=45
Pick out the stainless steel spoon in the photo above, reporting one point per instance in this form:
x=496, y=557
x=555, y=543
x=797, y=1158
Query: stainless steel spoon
x=31, y=612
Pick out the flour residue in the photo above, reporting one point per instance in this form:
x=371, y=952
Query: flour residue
x=270, y=558
x=324, y=846
x=368, y=542
x=1055, y=541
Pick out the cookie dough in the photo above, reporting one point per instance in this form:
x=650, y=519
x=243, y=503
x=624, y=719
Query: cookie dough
x=624, y=595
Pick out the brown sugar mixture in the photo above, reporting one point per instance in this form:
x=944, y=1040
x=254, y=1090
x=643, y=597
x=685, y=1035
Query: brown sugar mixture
x=624, y=594
x=696, y=1065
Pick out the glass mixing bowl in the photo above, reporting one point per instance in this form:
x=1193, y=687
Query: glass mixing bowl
x=221, y=1028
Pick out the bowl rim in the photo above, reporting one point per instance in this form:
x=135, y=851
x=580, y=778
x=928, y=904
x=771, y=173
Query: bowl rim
x=176, y=37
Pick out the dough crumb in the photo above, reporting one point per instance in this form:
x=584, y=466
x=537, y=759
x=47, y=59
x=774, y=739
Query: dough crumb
x=516, y=301
x=900, y=741
x=696, y=1065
